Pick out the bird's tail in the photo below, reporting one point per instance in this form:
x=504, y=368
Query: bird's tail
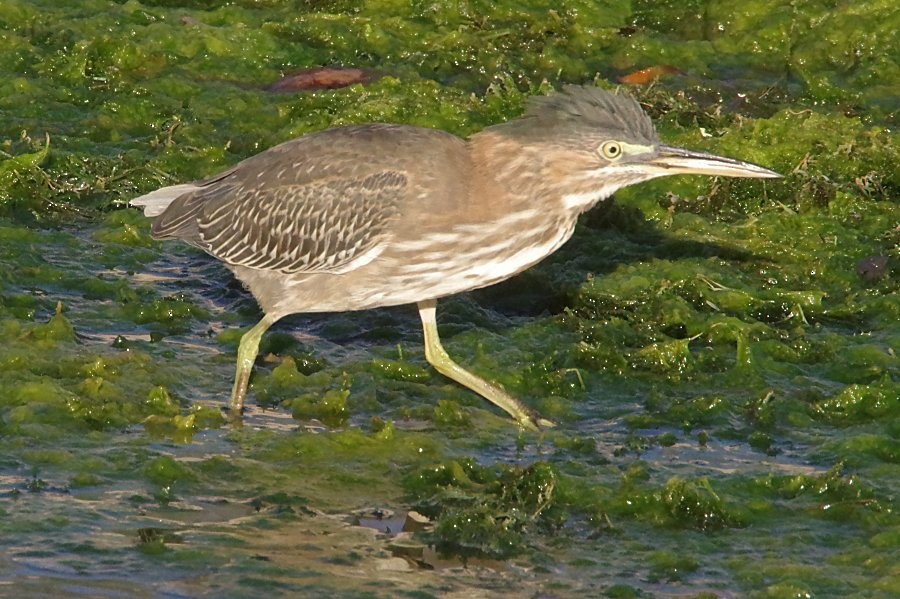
x=155, y=202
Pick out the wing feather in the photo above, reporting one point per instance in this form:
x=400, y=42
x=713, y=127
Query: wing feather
x=323, y=226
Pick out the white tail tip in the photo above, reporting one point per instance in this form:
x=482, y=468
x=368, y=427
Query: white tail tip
x=156, y=202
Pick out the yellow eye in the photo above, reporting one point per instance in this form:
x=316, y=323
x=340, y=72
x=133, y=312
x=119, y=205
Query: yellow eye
x=611, y=150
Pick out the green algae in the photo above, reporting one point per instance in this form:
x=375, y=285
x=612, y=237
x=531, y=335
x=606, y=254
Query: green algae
x=22, y=166
x=484, y=511
x=722, y=375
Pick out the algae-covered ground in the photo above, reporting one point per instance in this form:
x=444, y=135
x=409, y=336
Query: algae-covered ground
x=720, y=356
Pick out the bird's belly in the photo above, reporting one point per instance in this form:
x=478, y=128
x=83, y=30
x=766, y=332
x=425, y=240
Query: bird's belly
x=443, y=264
x=426, y=267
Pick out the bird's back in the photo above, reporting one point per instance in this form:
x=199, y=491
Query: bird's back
x=332, y=157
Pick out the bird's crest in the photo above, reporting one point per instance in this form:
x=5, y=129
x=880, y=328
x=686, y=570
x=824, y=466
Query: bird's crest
x=585, y=107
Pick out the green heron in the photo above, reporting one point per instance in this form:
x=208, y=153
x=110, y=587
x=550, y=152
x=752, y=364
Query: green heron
x=376, y=215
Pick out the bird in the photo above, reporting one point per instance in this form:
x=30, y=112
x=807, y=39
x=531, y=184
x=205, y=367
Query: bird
x=374, y=215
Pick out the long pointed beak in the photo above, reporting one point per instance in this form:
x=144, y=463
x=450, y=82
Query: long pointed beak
x=678, y=161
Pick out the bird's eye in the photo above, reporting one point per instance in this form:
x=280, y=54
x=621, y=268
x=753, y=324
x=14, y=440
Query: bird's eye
x=611, y=150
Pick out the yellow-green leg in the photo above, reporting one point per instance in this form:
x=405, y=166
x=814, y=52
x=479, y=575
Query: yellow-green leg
x=246, y=357
x=437, y=357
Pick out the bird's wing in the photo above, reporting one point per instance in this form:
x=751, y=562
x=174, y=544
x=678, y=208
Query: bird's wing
x=332, y=225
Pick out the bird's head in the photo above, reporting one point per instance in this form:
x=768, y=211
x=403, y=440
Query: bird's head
x=592, y=142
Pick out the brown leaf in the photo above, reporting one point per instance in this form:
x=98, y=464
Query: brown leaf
x=321, y=78
x=648, y=75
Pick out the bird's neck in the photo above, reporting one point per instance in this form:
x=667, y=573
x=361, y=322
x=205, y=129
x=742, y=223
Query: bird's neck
x=527, y=179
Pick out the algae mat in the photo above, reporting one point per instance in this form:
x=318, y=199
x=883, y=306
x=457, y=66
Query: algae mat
x=720, y=356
